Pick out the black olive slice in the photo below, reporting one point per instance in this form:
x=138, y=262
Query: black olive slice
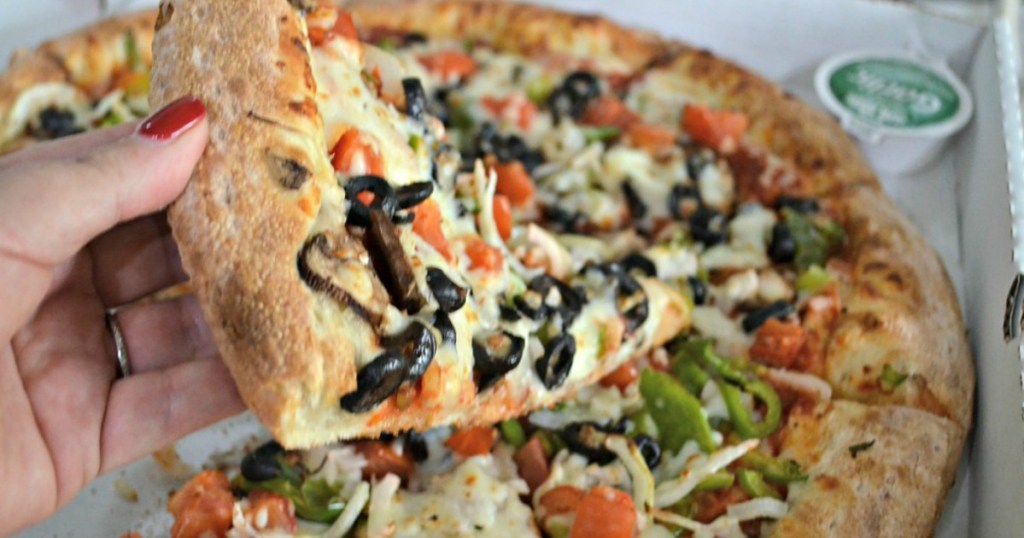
x=383, y=198
x=531, y=304
x=570, y=302
x=416, y=343
x=508, y=313
x=800, y=205
x=639, y=262
x=778, y=310
x=335, y=264
x=637, y=207
x=782, y=248
x=708, y=226
x=499, y=354
x=582, y=85
x=683, y=201
x=698, y=290
x=649, y=449
x=413, y=194
x=554, y=366
x=391, y=263
x=262, y=464
x=415, y=98
x=417, y=446
x=376, y=382
x=56, y=123
x=449, y=296
x=587, y=439
x=444, y=325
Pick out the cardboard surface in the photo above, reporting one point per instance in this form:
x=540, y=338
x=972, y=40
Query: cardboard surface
x=783, y=40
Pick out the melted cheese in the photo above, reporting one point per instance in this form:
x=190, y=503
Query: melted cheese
x=470, y=501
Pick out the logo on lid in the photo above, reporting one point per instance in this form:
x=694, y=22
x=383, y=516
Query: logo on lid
x=894, y=93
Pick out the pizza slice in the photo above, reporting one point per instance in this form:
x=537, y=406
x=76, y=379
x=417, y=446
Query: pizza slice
x=350, y=263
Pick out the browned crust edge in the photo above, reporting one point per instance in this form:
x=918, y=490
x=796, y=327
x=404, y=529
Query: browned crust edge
x=876, y=470
x=241, y=249
x=901, y=305
x=86, y=58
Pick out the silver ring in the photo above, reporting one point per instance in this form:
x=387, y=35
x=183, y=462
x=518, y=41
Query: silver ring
x=120, y=349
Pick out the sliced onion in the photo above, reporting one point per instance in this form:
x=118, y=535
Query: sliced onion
x=377, y=60
x=640, y=475
x=762, y=507
x=348, y=516
x=800, y=382
x=559, y=261
x=380, y=501
x=672, y=491
x=673, y=518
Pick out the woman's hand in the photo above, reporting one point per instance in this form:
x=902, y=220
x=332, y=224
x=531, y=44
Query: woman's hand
x=80, y=233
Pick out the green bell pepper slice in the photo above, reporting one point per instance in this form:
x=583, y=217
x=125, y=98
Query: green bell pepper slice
x=676, y=412
x=741, y=417
x=314, y=500
x=512, y=432
x=752, y=482
x=774, y=470
x=716, y=481
x=814, y=243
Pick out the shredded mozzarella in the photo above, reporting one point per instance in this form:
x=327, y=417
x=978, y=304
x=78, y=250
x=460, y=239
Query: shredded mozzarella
x=348, y=516
x=672, y=491
x=801, y=382
x=762, y=507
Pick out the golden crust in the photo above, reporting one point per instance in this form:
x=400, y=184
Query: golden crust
x=901, y=309
x=86, y=59
x=530, y=30
x=875, y=470
x=239, y=226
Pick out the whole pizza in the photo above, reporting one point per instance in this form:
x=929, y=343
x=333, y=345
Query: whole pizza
x=492, y=269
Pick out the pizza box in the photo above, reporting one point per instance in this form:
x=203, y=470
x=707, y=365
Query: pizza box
x=958, y=199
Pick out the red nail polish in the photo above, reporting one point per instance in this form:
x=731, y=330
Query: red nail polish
x=173, y=119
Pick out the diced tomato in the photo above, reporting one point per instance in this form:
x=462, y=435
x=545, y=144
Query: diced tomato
x=605, y=512
x=532, y=463
x=382, y=459
x=202, y=507
x=474, y=441
x=622, y=377
x=648, y=137
x=356, y=153
x=320, y=29
x=344, y=26
x=427, y=224
x=516, y=105
x=503, y=216
x=278, y=511
x=718, y=129
x=561, y=500
x=608, y=111
x=514, y=182
x=448, y=64
x=778, y=343
x=481, y=255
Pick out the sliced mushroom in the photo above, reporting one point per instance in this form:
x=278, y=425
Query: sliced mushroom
x=391, y=263
x=339, y=266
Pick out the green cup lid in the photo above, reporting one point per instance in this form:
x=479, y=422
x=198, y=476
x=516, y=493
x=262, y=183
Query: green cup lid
x=878, y=94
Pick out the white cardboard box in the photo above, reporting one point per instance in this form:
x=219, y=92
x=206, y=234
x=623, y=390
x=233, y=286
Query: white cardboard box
x=963, y=194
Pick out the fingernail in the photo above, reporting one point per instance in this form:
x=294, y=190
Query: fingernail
x=173, y=119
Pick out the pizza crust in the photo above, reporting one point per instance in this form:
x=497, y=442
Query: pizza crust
x=241, y=250
x=875, y=470
x=901, y=309
x=88, y=58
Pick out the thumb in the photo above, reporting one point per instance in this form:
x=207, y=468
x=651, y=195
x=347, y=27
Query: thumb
x=50, y=210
